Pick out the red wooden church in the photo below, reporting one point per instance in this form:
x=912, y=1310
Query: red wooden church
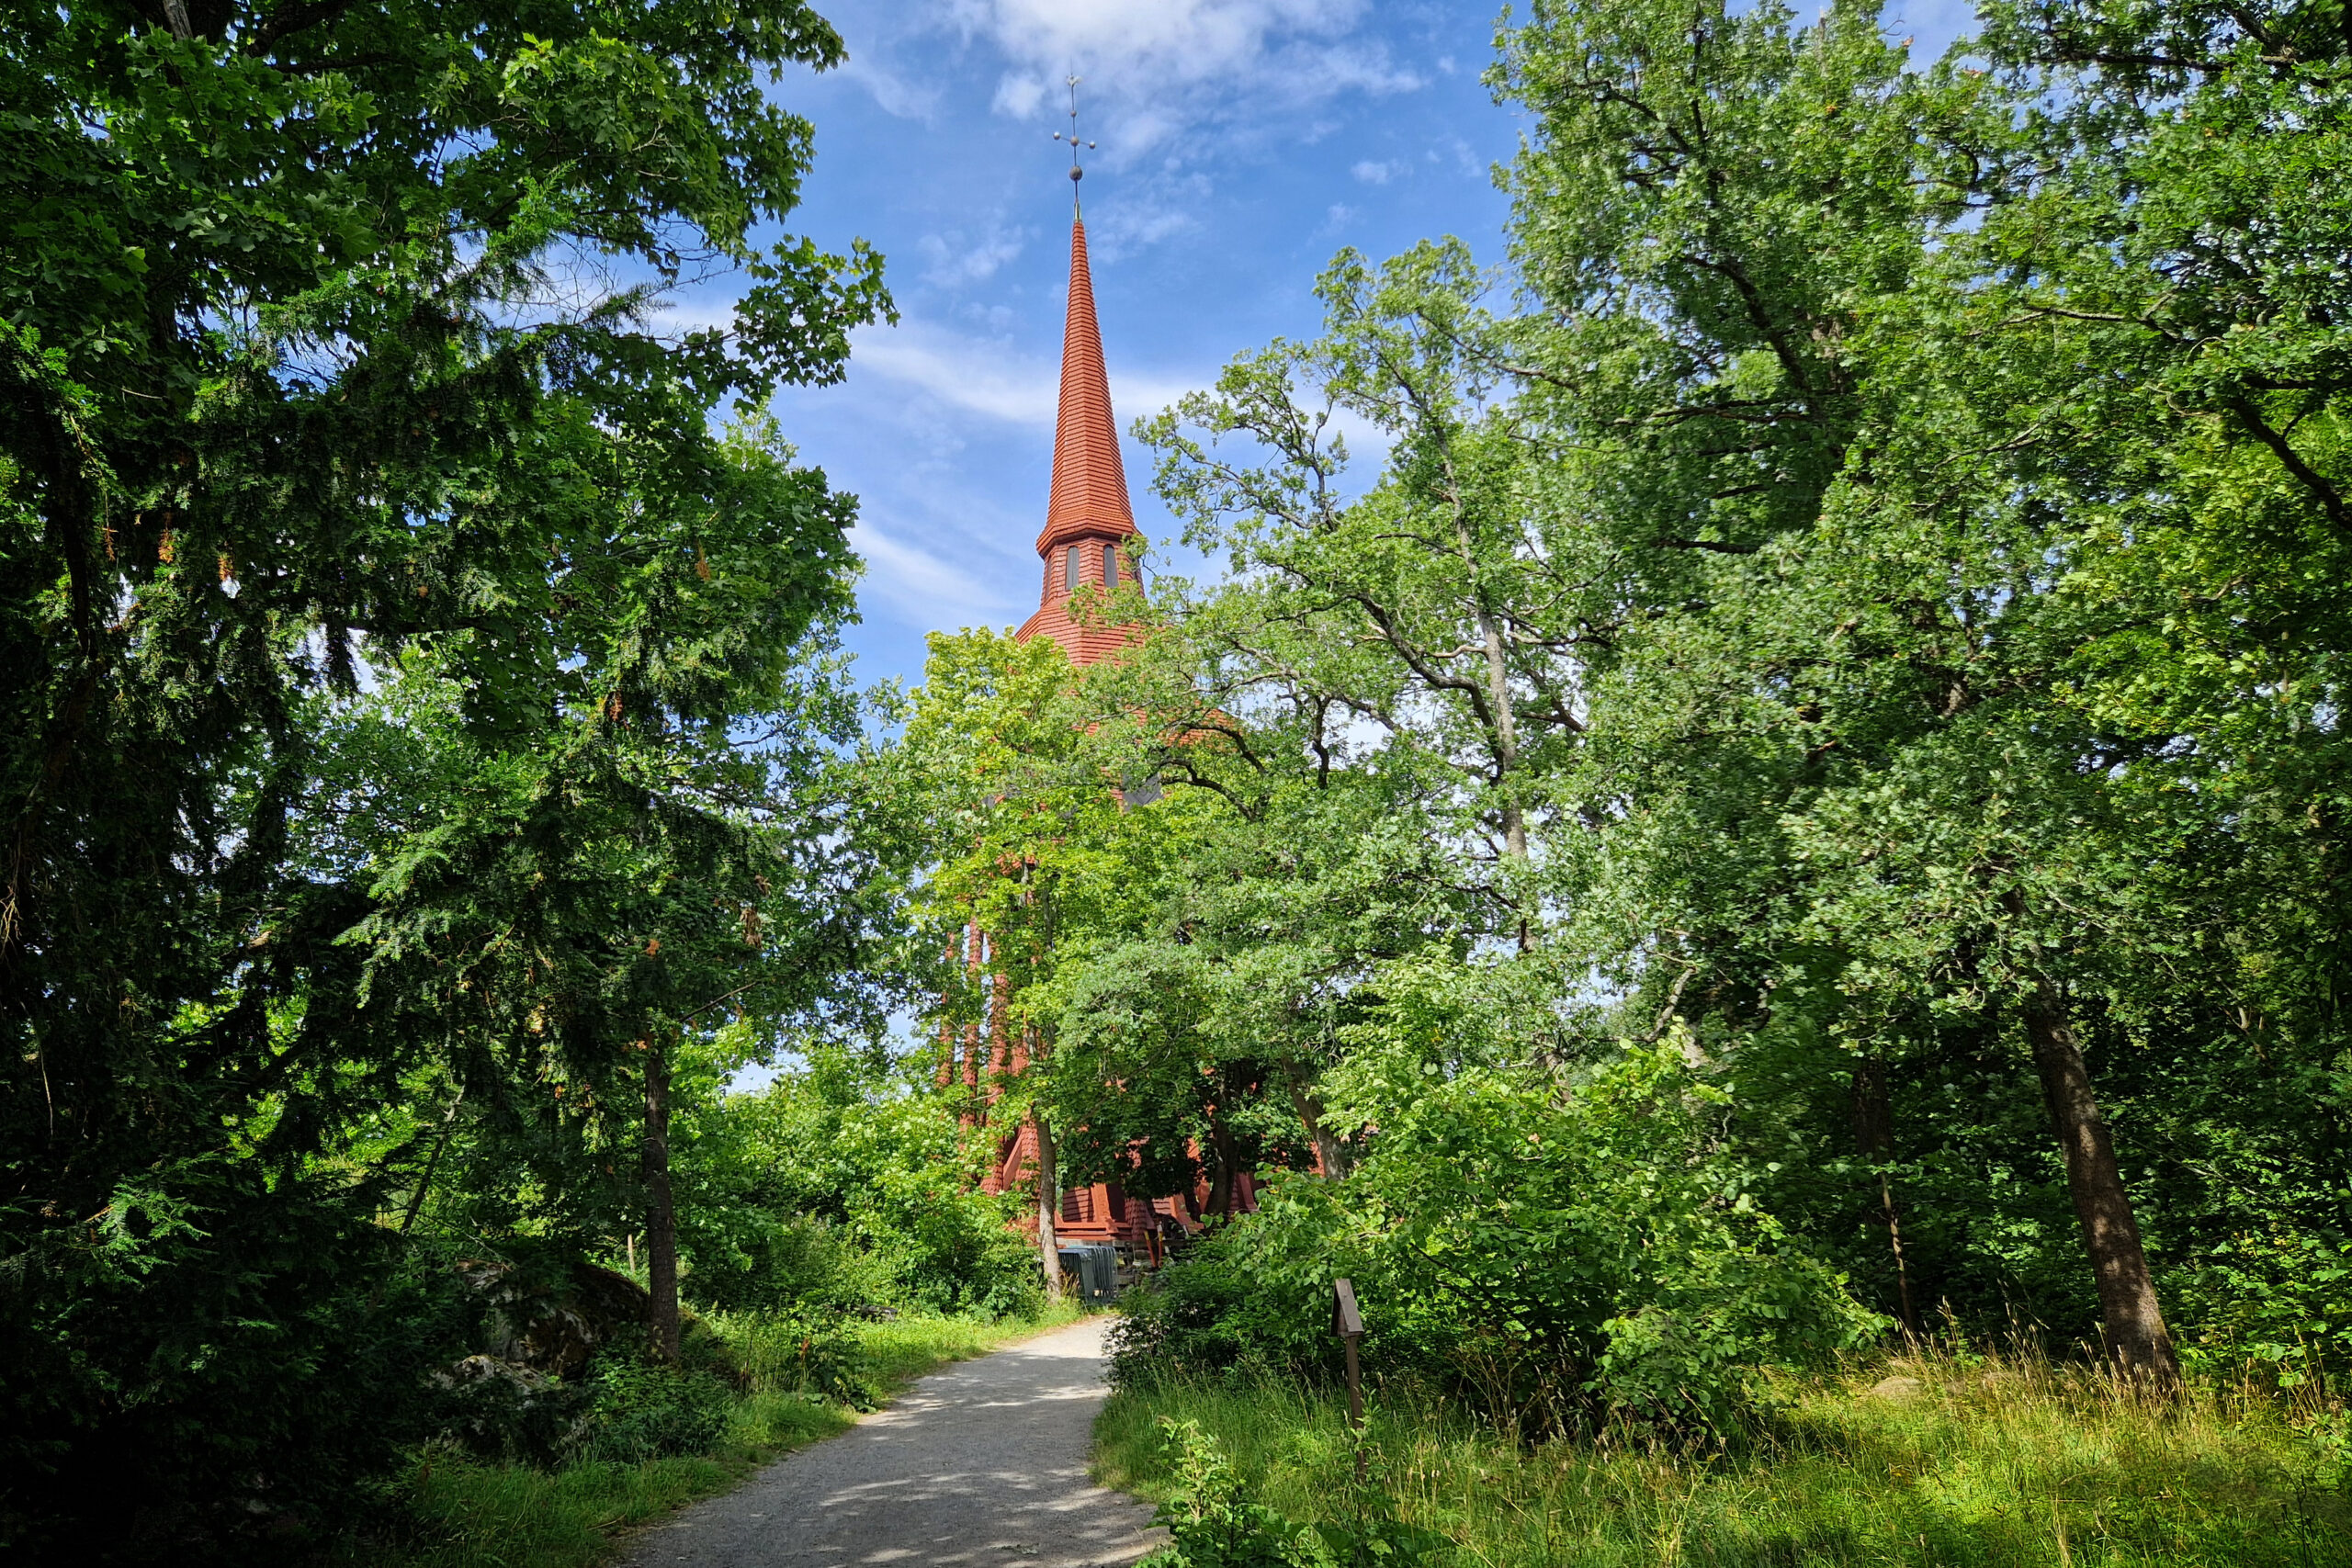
x=1083, y=543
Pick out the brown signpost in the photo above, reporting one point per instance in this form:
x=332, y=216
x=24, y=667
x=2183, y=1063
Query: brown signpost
x=1347, y=1322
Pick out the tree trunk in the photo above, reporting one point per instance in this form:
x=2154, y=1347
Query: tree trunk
x=1221, y=1175
x=1874, y=1137
x=1504, y=735
x=1328, y=1149
x=1049, y=1201
x=2136, y=1336
x=661, y=1219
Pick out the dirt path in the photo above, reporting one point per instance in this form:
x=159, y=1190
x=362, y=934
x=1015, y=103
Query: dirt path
x=980, y=1466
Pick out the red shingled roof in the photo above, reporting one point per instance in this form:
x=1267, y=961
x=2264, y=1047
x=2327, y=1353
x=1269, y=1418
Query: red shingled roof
x=1088, y=507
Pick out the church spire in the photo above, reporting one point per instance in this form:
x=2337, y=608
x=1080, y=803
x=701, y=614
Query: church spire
x=1090, y=493
x=1087, y=516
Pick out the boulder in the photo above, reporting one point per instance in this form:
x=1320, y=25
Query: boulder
x=1898, y=1389
x=554, y=1328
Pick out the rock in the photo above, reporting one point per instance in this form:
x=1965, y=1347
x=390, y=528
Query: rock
x=520, y=1381
x=554, y=1328
x=1898, y=1389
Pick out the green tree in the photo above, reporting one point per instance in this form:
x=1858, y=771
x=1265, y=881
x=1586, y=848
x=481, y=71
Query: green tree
x=335, y=376
x=1905, y=504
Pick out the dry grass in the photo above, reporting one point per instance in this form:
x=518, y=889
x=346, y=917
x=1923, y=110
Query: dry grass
x=2004, y=1464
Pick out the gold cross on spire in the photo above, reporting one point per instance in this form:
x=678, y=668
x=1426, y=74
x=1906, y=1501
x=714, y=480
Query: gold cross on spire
x=1076, y=173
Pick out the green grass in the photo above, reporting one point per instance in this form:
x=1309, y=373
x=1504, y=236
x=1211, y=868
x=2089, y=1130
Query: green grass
x=2011, y=1465
x=471, y=1514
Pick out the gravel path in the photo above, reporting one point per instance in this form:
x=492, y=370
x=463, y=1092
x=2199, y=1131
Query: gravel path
x=980, y=1466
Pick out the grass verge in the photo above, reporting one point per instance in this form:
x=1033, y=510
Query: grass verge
x=471, y=1514
x=2003, y=1465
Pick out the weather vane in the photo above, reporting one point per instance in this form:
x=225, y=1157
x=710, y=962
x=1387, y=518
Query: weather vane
x=1076, y=173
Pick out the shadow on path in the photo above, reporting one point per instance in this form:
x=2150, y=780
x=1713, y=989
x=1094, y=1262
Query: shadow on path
x=981, y=1466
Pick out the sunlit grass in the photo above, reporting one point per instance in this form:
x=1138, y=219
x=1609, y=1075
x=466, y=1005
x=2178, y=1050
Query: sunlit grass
x=2004, y=1465
x=470, y=1515
x=907, y=1347
x=467, y=1514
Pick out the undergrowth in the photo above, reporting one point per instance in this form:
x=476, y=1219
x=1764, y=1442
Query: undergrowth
x=466, y=1513
x=1925, y=1460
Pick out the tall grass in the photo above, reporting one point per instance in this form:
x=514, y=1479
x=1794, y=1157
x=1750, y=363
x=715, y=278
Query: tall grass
x=2007, y=1463
x=467, y=1513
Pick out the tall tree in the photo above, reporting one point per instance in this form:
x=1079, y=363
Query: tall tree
x=333, y=363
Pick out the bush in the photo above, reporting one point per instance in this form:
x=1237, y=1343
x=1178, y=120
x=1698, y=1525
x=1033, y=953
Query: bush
x=2279, y=1302
x=801, y=1263
x=873, y=1182
x=636, y=1411
x=801, y=1353
x=1561, y=1259
x=1215, y=1520
x=217, y=1368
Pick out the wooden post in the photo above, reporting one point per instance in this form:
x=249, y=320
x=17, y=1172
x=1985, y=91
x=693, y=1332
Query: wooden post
x=1347, y=1322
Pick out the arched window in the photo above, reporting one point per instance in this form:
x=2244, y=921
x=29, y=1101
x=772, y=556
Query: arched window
x=1110, y=566
x=1069, y=569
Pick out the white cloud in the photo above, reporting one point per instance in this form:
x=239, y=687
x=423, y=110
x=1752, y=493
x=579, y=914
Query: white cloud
x=1019, y=96
x=896, y=95
x=1154, y=68
x=925, y=590
x=983, y=378
x=990, y=379
x=956, y=260
x=1134, y=219
x=1378, y=174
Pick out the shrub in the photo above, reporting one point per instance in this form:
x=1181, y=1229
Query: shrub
x=2278, y=1302
x=836, y=1187
x=1215, y=1520
x=801, y=1353
x=800, y=1263
x=1561, y=1257
x=218, y=1366
x=636, y=1410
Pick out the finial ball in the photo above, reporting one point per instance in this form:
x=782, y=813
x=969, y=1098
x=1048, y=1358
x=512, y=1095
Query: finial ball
x=1076, y=173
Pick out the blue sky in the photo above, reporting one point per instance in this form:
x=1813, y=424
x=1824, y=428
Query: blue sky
x=1242, y=143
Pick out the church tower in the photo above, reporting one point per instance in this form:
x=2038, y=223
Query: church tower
x=1083, y=550
x=1087, y=520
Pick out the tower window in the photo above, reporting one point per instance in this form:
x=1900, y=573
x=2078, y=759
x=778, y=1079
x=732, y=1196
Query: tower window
x=1110, y=566
x=1069, y=570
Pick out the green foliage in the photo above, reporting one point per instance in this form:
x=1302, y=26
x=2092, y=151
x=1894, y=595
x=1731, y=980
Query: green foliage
x=1214, y=1520
x=638, y=1410
x=1211, y=1520
x=2281, y=1302
x=1561, y=1262
x=836, y=1190
x=1854, y=596
x=1998, y=1463
x=817, y=1356
x=383, y=593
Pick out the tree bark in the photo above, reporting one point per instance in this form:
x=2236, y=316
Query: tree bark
x=1049, y=1200
x=1328, y=1148
x=1874, y=1137
x=2136, y=1336
x=1504, y=720
x=660, y=1217
x=1221, y=1174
